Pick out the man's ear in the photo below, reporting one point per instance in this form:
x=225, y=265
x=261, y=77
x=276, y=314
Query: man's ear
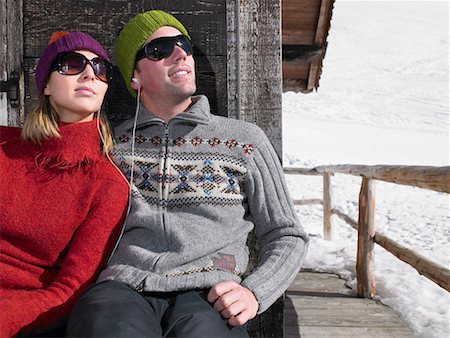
x=134, y=83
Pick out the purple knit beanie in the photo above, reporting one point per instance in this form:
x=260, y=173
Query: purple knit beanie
x=64, y=42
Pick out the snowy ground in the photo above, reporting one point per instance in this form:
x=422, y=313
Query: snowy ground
x=383, y=99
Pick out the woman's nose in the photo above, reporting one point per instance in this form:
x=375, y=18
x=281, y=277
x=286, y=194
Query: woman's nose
x=88, y=72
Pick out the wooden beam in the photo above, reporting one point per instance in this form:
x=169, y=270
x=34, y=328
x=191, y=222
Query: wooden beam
x=346, y=218
x=327, y=206
x=434, y=178
x=437, y=273
x=301, y=171
x=366, y=233
x=310, y=201
x=314, y=74
x=323, y=25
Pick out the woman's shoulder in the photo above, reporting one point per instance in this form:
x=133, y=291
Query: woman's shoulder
x=110, y=174
x=9, y=134
x=12, y=147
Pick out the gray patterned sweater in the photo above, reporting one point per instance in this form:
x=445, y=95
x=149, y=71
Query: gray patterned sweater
x=201, y=184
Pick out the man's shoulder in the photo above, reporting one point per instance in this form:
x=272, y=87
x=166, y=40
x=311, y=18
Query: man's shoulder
x=124, y=127
x=235, y=128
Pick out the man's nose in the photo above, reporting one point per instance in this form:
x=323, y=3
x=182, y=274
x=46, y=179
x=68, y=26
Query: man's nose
x=179, y=53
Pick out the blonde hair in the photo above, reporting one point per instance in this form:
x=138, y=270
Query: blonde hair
x=42, y=123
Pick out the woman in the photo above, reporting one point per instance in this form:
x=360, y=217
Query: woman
x=62, y=202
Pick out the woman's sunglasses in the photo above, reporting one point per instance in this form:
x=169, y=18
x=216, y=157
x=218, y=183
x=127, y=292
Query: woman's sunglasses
x=160, y=48
x=73, y=63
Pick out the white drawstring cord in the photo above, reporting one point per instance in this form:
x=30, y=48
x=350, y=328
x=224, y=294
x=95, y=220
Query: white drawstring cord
x=107, y=153
x=130, y=184
x=133, y=139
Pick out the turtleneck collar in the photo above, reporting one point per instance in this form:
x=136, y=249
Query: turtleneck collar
x=197, y=113
x=78, y=146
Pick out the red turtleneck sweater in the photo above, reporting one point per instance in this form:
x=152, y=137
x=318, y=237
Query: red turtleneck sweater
x=61, y=209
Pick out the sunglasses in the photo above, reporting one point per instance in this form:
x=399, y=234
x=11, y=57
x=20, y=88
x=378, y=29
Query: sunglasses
x=73, y=63
x=163, y=47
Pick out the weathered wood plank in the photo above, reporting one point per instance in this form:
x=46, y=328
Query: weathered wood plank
x=327, y=207
x=341, y=332
x=301, y=171
x=348, y=317
x=296, y=70
x=324, y=22
x=349, y=306
x=313, y=282
x=320, y=305
x=309, y=201
x=433, y=271
x=366, y=232
x=434, y=178
x=254, y=73
x=11, y=47
x=314, y=74
x=299, y=21
x=346, y=218
x=436, y=272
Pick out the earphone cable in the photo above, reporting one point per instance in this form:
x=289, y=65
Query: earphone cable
x=130, y=183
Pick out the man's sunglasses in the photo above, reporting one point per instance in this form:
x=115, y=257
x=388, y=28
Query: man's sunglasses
x=73, y=63
x=160, y=48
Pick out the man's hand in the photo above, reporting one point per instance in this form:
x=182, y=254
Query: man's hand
x=234, y=302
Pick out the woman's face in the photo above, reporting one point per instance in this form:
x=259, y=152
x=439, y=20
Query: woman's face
x=76, y=98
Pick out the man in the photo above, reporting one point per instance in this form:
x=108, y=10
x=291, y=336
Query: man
x=201, y=183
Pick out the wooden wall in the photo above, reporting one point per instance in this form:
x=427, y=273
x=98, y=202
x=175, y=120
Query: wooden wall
x=254, y=65
x=237, y=50
x=206, y=22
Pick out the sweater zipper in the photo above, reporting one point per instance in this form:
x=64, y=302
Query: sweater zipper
x=164, y=186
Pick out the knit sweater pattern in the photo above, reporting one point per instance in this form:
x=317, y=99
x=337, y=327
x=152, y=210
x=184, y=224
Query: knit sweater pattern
x=201, y=184
x=62, y=207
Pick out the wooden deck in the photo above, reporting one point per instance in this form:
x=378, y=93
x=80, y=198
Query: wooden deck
x=320, y=305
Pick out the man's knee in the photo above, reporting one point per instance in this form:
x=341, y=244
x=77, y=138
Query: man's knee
x=193, y=316
x=110, y=308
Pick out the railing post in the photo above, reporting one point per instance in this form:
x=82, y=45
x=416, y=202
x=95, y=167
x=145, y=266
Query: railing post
x=366, y=234
x=327, y=206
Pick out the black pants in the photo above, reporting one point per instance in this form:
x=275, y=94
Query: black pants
x=113, y=309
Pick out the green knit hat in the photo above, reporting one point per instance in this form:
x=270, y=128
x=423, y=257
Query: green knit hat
x=133, y=36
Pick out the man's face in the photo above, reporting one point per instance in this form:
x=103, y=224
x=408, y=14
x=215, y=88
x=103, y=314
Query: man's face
x=171, y=79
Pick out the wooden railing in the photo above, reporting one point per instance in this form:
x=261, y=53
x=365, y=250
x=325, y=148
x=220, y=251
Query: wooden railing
x=434, y=178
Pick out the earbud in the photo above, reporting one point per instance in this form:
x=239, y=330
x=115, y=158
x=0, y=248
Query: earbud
x=135, y=84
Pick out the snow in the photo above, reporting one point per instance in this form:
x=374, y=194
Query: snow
x=383, y=99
